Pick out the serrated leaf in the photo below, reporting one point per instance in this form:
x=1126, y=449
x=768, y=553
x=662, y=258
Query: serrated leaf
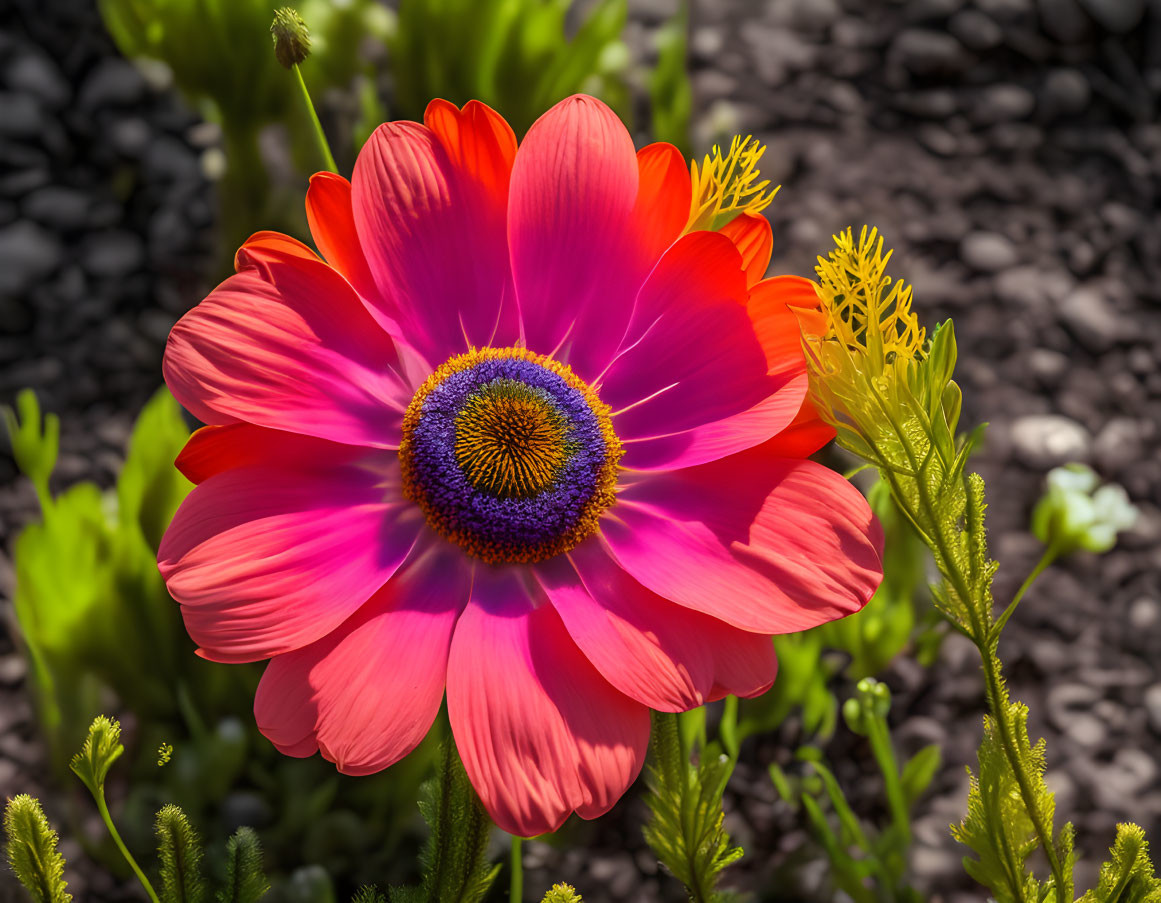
x=32, y=851
x=685, y=826
x=245, y=880
x=1127, y=877
x=179, y=851
x=101, y=749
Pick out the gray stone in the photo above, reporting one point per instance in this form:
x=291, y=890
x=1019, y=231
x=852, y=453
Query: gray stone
x=113, y=254
x=22, y=118
x=1066, y=92
x=1152, y=700
x=975, y=30
x=1005, y=103
x=1118, y=16
x=35, y=74
x=112, y=83
x=988, y=252
x=1119, y=444
x=57, y=207
x=925, y=52
x=1090, y=317
x=28, y=254
x=1043, y=441
x=1064, y=20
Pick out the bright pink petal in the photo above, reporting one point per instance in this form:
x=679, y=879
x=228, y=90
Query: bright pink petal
x=286, y=344
x=541, y=733
x=332, y=225
x=433, y=231
x=693, y=382
x=266, y=560
x=367, y=693
x=766, y=544
x=576, y=257
x=666, y=656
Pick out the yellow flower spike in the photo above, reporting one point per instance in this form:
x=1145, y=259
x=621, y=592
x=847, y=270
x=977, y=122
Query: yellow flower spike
x=725, y=187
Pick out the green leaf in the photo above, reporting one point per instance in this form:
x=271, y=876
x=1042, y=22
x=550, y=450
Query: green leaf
x=455, y=861
x=101, y=749
x=562, y=893
x=180, y=852
x=150, y=488
x=368, y=895
x=919, y=771
x=35, y=443
x=1127, y=877
x=32, y=851
x=670, y=93
x=245, y=880
x=685, y=828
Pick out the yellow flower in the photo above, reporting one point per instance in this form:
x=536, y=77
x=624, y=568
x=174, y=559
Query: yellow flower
x=726, y=186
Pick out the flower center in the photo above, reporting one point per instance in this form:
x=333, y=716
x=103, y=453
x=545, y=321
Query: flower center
x=509, y=455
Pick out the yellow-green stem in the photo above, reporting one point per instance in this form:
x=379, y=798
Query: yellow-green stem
x=516, y=862
x=108, y=819
x=320, y=136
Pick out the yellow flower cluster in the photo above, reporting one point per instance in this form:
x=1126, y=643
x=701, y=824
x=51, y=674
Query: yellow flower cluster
x=728, y=185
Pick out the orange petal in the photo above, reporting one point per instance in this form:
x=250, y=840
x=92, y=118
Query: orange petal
x=332, y=225
x=477, y=139
x=663, y=196
x=751, y=234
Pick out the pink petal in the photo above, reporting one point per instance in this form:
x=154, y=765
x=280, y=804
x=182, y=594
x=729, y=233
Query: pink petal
x=286, y=344
x=367, y=693
x=266, y=560
x=433, y=231
x=692, y=382
x=540, y=732
x=576, y=257
x=665, y=656
x=767, y=544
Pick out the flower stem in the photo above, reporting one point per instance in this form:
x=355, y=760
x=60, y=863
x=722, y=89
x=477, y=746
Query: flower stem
x=1049, y=556
x=516, y=883
x=320, y=137
x=108, y=819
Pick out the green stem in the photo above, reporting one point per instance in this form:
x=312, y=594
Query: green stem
x=1049, y=556
x=108, y=819
x=516, y=883
x=319, y=135
x=885, y=757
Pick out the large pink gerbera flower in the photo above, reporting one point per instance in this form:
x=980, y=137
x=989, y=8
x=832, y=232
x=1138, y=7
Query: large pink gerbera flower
x=519, y=435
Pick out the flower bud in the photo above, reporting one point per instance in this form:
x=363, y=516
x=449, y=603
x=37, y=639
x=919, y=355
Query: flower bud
x=291, y=37
x=1075, y=514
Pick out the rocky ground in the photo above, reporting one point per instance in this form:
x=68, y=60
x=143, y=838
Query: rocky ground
x=1009, y=150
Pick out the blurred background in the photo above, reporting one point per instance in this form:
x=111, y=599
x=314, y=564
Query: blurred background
x=1009, y=150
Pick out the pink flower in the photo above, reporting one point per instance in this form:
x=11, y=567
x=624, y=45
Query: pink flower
x=517, y=437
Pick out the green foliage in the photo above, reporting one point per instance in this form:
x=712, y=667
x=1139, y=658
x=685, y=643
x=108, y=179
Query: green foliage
x=562, y=893
x=685, y=803
x=670, y=93
x=101, y=749
x=32, y=852
x=1000, y=825
x=35, y=442
x=513, y=55
x=245, y=880
x=368, y=895
x=868, y=864
x=179, y=850
x=454, y=859
x=1128, y=875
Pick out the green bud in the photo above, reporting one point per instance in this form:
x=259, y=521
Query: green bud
x=102, y=748
x=291, y=37
x=1075, y=514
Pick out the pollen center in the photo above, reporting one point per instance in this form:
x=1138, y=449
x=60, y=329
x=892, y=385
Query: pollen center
x=511, y=440
x=509, y=455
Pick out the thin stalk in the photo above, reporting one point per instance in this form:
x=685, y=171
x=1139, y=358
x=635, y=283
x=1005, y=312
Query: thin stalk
x=516, y=862
x=885, y=757
x=319, y=136
x=108, y=819
x=1049, y=556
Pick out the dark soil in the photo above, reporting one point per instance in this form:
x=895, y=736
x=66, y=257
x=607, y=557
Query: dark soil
x=1010, y=152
